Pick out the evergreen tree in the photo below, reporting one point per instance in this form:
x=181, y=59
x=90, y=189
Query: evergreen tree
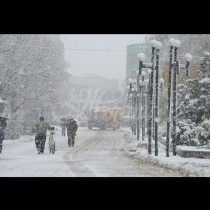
x=194, y=109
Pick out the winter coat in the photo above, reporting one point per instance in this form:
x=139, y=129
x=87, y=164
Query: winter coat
x=41, y=128
x=71, y=128
x=63, y=125
x=3, y=125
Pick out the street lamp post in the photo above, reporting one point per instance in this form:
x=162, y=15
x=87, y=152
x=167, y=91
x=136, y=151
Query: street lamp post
x=141, y=58
x=132, y=94
x=143, y=104
x=135, y=104
x=174, y=67
x=156, y=101
x=150, y=103
x=156, y=46
x=169, y=102
x=175, y=71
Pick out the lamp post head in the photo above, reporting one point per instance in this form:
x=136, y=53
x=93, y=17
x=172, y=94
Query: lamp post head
x=143, y=73
x=141, y=57
x=161, y=80
x=130, y=80
x=174, y=42
x=156, y=44
x=188, y=57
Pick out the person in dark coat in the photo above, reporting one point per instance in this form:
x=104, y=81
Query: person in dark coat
x=63, y=126
x=3, y=125
x=72, y=127
x=41, y=133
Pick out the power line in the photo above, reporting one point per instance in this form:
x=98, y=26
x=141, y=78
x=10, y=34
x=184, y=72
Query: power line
x=73, y=49
x=95, y=50
x=89, y=50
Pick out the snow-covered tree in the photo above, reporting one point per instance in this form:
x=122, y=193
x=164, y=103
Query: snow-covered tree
x=187, y=134
x=196, y=44
x=194, y=108
x=32, y=68
x=196, y=103
x=205, y=64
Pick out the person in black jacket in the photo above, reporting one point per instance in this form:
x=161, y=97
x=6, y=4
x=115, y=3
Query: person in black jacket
x=72, y=128
x=3, y=125
x=63, y=126
x=41, y=133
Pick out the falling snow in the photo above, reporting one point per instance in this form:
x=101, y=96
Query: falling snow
x=164, y=123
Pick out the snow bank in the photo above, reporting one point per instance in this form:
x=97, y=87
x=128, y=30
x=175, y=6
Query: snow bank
x=187, y=167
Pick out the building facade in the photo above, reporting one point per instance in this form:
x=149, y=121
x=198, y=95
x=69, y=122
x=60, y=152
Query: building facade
x=132, y=64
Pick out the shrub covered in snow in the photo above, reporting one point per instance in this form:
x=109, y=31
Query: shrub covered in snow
x=205, y=62
x=195, y=100
x=187, y=134
x=204, y=134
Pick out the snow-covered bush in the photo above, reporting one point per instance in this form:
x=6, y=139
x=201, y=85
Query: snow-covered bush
x=204, y=134
x=187, y=134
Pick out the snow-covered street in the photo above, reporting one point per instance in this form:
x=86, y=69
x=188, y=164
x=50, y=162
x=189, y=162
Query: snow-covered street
x=141, y=102
x=95, y=154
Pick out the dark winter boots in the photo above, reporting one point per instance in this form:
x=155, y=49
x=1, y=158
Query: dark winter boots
x=71, y=141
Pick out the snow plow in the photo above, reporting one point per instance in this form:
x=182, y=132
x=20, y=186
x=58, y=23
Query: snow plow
x=105, y=118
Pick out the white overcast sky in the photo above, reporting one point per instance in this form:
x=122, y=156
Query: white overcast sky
x=108, y=64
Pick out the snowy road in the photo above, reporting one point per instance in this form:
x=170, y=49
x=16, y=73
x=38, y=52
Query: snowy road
x=95, y=154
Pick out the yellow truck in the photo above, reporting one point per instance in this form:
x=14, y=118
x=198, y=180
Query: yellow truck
x=98, y=118
x=105, y=118
x=114, y=118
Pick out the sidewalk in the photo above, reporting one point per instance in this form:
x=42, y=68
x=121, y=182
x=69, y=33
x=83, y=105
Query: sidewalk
x=187, y=167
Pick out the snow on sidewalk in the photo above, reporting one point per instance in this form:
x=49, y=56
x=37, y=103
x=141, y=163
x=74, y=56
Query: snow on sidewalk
x=187, y=167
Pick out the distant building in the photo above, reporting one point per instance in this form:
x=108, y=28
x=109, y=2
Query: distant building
x=132, y=64
x=92, y=91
